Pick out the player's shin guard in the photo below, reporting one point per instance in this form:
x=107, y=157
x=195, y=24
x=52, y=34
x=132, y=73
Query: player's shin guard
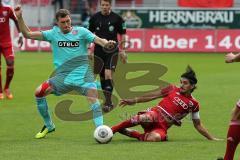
x=97, y=114
x=233, y=139
x=43, y=110
x=9, y=76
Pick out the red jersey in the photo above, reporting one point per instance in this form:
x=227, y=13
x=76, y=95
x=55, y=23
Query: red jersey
x=6, y=13
x=176, y=104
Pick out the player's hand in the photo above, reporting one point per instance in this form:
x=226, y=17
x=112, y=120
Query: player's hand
x=123, y=57
x=229, y=58
x=124, y=102
x=110, y=46
x=217, y=139
x=18, y=11
x=20, y=41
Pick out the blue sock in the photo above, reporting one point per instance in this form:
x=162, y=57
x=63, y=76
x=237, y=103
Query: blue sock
x=43, y=110
x=97, y=114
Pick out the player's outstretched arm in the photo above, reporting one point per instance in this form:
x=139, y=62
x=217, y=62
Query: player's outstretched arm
x=146, y=97
x=231, y=57
x=100, y=41
x=104, y=43
x=27, y=33
x=202, y=130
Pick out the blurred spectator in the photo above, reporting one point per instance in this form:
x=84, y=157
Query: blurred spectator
x=58, y=4
x=87, y=13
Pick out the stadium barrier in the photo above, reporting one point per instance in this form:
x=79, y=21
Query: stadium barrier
x=180, y=18
x=166, y=40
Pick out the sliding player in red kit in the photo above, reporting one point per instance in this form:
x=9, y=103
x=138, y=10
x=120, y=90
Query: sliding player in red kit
x=177, y=102
x=6, y=48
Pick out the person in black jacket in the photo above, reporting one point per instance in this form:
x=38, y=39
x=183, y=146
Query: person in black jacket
x=107, y=24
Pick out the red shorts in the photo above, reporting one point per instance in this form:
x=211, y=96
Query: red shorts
x=7, y=51
x=157, y=124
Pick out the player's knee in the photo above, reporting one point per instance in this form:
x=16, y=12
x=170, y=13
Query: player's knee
x=154, y=137
x=38, y=92
x=144, y=118
x=43, y=90
x=10, y=62
x=92, y=95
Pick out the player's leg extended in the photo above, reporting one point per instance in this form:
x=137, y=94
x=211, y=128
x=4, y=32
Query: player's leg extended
x=140, y=118
x=233, y=136
x=147, y=120
x=42, y=91
x=92, y=95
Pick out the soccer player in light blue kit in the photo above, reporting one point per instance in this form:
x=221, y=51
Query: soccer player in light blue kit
x=73, y=73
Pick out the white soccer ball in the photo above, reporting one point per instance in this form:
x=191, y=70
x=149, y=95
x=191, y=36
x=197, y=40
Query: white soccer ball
x=103, y=134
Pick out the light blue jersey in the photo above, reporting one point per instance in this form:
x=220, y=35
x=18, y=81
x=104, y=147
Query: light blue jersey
x=68, y=46
x=73, y=73
x=70, y=59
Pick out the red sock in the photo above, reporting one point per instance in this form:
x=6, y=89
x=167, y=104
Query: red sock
x=233, y=139
x=143, y=137
x=131, y=133
x=135, y=134
x=122, y=125
x=9, y=76
x=0, y=79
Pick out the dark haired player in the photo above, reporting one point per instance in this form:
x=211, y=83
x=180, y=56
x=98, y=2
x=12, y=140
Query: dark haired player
x=176, y=103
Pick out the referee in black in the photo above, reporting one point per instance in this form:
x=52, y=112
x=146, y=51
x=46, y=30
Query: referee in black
x=107, y=24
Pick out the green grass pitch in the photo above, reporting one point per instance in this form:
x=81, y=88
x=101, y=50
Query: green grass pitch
x=218, y=90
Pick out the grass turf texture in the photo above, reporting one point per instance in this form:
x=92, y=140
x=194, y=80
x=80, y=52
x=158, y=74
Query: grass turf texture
x=218, y=91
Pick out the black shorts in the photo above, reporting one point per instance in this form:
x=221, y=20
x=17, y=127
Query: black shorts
x=104, y=61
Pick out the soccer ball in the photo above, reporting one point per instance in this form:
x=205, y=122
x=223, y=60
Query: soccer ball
x=103, y=134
